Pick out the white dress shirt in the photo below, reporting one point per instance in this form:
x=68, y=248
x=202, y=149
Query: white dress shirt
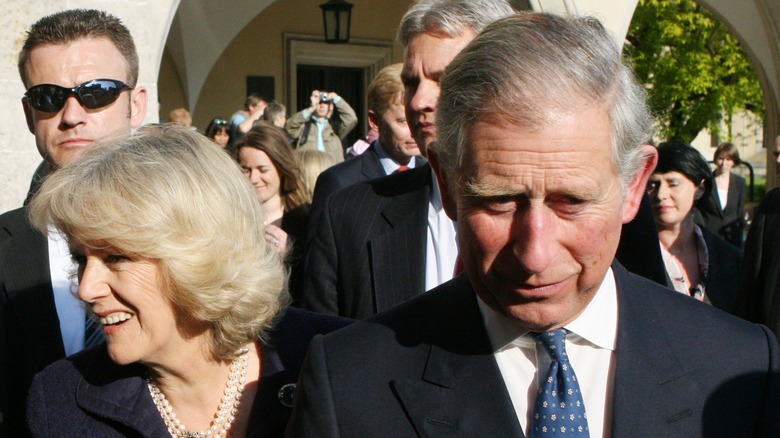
x=389, y=164
x=441, y=247
x=70, y=309
x=590, y=346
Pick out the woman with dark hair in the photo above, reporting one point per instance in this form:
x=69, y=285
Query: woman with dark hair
x=723, y=210
x=266, y=158
x=218, y=131
x=698, y=263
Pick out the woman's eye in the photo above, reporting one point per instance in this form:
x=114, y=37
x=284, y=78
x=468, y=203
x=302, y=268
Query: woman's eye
x=114, y=258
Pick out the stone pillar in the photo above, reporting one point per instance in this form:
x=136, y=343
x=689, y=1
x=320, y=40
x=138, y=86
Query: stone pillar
x=148, y=21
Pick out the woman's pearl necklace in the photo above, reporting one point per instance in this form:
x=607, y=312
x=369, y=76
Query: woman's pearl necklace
x=228, y=407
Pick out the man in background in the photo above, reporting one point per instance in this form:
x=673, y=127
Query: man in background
x=380, y=242
x=315, y=128
x=80, y=69
x=395, y=150
x=758, y=298
x=242, y=120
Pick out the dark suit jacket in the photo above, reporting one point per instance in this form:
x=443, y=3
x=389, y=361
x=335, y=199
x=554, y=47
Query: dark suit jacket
x=728, y=222
x=759, y=289
x=638, y=250
x=722, y=278
x=363, y=167
x=295, y=223
x=32, y=330
x=426, y=368
x=88, y=395
x=368, y=251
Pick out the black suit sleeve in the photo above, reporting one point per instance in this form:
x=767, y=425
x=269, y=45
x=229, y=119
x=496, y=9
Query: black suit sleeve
x=319, y=292
x=327, y=184
x=758, y=277
x=314, y=413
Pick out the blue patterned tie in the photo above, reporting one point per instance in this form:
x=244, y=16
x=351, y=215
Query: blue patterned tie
x=559, y=410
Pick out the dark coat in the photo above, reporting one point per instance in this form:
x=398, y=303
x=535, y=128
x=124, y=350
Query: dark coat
x=426, y=369
x=32, y=339
x=759, y=286
x=722, y=279
x=727, y=223
x=364, y=167
x=295, y=223
x=368, y=251
x=88, y=395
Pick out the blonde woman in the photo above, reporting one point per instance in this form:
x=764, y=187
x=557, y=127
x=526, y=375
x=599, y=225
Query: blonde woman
x=173, y=265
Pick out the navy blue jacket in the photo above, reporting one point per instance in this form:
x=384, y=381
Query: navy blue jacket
x=88, y=395
x=426, y=368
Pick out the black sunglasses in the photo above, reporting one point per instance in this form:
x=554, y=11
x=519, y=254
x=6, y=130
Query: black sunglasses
x=93, y=94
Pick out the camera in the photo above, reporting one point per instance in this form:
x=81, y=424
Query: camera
x=324, y=98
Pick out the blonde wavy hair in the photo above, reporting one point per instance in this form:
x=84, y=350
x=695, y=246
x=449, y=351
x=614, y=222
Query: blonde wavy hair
x=169, y=195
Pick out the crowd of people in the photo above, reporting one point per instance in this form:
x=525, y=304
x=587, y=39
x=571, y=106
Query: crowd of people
x=501, y=228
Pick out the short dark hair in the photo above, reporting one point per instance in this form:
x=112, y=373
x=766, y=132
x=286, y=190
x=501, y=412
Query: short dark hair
x=216, y=125
x=75, y=24
x=254, y=99
x=677, y=156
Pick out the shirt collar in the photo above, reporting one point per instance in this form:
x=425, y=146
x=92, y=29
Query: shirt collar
x=597, y=324
x=388, y=163
x=435, y=200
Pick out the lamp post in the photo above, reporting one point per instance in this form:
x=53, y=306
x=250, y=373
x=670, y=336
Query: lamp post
x=336, y=16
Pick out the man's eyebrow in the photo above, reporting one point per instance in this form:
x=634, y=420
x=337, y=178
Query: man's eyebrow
x=481, y=190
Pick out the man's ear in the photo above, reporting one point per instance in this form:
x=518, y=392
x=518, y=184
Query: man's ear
x=638, y=186
x=446, y=186
x=373, y=120
x=138, y=101
x=28, y=115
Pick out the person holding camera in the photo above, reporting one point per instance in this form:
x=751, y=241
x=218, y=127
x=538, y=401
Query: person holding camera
x=312, y=128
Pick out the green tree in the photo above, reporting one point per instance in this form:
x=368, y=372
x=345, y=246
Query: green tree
x=696, y=73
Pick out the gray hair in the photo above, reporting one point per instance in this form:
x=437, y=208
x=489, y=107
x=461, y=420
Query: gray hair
x=521, y=67
x=450, y=18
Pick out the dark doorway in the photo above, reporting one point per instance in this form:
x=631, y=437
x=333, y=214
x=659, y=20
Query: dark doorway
x=346, y=82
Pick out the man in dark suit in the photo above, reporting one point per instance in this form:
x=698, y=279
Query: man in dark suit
x=395, y=149
x=758, y=298
x=90, y=58
x=544, y=332
x=380, y=242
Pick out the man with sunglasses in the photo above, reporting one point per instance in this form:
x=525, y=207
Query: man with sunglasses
x=80, y=68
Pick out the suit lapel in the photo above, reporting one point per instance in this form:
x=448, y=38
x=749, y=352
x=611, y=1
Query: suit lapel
x=397, y=251
x=461, y=393
x=648, y=373
x=27, y=283
x=371, y=166
x=715, y=199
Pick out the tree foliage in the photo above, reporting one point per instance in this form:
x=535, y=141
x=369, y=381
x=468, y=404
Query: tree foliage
x=696, y=72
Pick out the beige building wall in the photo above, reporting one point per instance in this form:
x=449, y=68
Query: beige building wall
x=258, y=50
